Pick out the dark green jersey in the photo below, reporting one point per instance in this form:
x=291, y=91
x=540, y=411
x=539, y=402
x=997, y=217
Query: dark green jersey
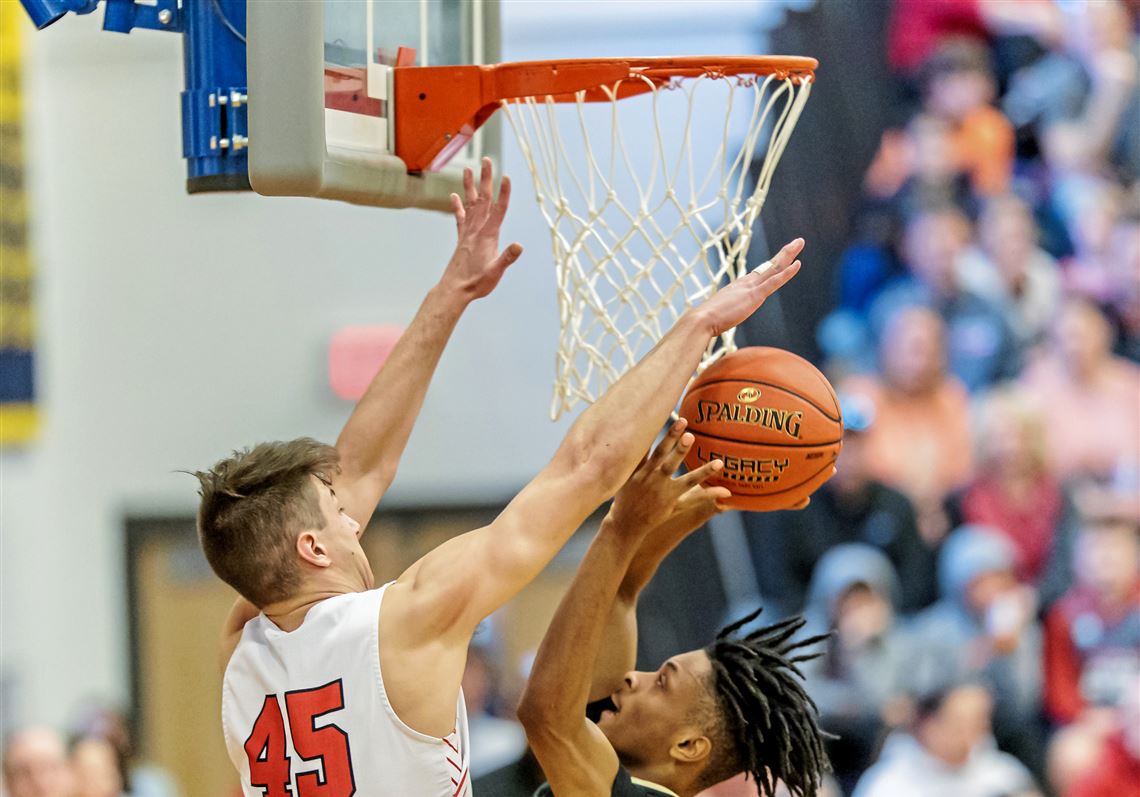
x=625, y=785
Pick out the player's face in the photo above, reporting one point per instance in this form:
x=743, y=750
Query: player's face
x=654, y=710
x=342, y=535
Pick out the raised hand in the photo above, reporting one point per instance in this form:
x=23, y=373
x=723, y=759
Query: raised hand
x=652, y=498
x=736, y=301
x=478, y=265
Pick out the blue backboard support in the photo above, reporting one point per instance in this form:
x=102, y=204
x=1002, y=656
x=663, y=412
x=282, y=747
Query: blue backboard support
x=214, y=127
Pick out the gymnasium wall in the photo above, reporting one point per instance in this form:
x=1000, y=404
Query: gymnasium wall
x=174, y=328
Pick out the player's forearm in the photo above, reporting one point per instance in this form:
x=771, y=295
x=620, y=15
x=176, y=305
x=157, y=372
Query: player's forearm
x=612, y=434
x=619, y=650
x=654, y=548
x=608, y=441
x=618, y=654
x=378, y=429
x=560, y=681
x=604, y=447
x=615, y=432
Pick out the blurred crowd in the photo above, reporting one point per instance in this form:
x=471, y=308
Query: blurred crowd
x=978, y=553
x=96, y=758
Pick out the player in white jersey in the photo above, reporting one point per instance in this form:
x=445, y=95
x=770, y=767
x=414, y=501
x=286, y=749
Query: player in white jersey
x=334, y=687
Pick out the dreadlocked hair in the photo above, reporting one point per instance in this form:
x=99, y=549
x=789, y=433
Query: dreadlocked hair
x=770, y=722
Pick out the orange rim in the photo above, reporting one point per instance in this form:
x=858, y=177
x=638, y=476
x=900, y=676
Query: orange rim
x=687, y=65
x=439, y=108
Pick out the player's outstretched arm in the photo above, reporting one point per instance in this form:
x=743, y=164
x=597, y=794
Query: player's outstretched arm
x=374, y=438
x=574, y=755
x=600, y=451
x=619, y=653
x=430, y=613
x=691, y=511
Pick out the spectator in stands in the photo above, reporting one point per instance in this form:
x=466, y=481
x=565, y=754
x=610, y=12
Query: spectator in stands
x=1092, y=635
x=1011, y=271
x=853, y=507
x=1016, y=496
x=958, y=86
x=948, y=753
x=1116, y=769
x=35, y=764
x=97, y=768
x=921, y=418
x=917, y=27
x=936, y=176
x=1092, y=417
x=1088, y=82
x=1124, y=287
x=97, y=718
x=980, y=347
x=984, y=628
x=860, y=680
x=1073, y=752
x=914, y=169
x=1092, y=209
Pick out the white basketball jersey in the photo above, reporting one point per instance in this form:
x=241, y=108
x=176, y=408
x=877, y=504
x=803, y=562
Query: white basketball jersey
x=305, y=713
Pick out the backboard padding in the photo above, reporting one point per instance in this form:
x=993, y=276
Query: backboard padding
x=293, y=149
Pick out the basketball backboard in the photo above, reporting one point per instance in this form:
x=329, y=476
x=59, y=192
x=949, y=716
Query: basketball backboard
x=320, y=85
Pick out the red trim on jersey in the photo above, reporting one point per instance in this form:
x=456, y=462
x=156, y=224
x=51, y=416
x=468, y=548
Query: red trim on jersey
x=458, y=784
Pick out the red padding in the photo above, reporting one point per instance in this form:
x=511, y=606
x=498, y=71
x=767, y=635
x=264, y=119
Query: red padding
x=356, y=354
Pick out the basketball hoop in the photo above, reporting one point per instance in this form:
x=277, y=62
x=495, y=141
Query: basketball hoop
x=641, y=231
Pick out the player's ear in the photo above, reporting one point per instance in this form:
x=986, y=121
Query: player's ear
x=690, y=747
x=312, y=550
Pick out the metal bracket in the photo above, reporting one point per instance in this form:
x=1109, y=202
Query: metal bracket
x=122, y=16
x=45, y=12
x=215, y=130
x=214, y=122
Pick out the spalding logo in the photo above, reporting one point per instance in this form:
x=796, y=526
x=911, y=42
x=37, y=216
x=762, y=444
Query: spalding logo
x=748, y=394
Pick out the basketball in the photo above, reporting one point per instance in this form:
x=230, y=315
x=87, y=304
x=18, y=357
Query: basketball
x=773, y=419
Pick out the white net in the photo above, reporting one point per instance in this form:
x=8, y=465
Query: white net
x=651, y=202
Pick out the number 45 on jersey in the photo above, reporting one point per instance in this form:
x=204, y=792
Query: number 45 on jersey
x=270, y=767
